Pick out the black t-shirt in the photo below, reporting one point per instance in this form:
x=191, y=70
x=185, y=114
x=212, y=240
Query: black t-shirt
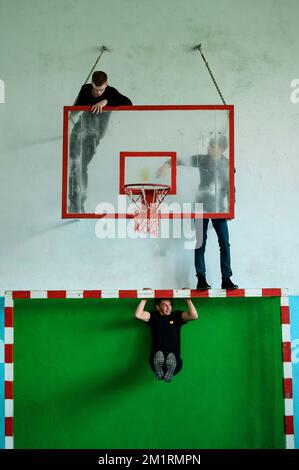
x=166, y=332
x=111, y=94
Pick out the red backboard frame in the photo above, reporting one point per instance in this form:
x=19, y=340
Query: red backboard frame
x=229, y=108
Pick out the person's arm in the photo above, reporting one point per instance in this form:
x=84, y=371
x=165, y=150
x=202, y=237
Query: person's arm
x=140, y=313
x=80, y=98
x=226, y=191
x=192, y=312
x=115, y=98
x=162, y=171
x=98, y=107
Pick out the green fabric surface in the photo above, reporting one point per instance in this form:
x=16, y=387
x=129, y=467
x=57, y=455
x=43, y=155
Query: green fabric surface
x=82, y=378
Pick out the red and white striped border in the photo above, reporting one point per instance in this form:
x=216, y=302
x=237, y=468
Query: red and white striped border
x=8, y=370
x=287, y=372
x=10, y=296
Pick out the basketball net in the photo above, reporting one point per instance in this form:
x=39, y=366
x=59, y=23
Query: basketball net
x=147, y=199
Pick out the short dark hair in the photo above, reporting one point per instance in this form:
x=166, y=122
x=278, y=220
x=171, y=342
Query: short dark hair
x=99, y=78
x=158, y=301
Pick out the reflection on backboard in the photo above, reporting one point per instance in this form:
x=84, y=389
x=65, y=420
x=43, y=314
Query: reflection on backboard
x=189, y=148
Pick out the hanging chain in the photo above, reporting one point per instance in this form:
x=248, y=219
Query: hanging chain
x=199, y=48
x=102, y=50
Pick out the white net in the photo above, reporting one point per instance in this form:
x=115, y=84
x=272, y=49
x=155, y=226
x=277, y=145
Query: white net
x=147, y=199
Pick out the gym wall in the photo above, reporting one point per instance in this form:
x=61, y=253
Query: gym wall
x=47, y=49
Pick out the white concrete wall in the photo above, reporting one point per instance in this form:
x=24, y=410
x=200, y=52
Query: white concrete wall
x=47, y=48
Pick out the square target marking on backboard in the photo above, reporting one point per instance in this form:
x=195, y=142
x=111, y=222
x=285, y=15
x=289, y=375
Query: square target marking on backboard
x=190, y=148
x=146, y=168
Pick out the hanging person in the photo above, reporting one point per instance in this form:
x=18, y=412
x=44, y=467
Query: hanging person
x=165, y=325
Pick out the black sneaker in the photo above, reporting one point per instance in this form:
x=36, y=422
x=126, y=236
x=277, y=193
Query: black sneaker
x=202, y=283
x=171, y=366
x=228, y=284
x=158, y=365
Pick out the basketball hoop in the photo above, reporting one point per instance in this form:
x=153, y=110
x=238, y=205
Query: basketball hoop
x=147, y=199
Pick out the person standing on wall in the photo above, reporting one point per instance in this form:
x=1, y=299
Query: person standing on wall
x=213, y=193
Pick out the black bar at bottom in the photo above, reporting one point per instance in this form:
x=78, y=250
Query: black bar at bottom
x=130, y=458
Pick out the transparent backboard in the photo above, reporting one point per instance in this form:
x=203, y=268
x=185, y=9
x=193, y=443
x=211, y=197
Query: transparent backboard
x=189, y=148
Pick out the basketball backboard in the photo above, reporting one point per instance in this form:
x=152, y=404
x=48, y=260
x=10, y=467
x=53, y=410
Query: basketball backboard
x=189, y=148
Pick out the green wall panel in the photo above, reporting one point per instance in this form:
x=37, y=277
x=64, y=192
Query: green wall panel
x=82, y=378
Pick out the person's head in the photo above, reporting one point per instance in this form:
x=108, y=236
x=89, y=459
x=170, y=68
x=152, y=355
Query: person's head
x=99, y=83
x=217, y=146
x=164, y=306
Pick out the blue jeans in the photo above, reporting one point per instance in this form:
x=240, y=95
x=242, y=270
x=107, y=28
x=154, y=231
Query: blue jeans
x=221, y=228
